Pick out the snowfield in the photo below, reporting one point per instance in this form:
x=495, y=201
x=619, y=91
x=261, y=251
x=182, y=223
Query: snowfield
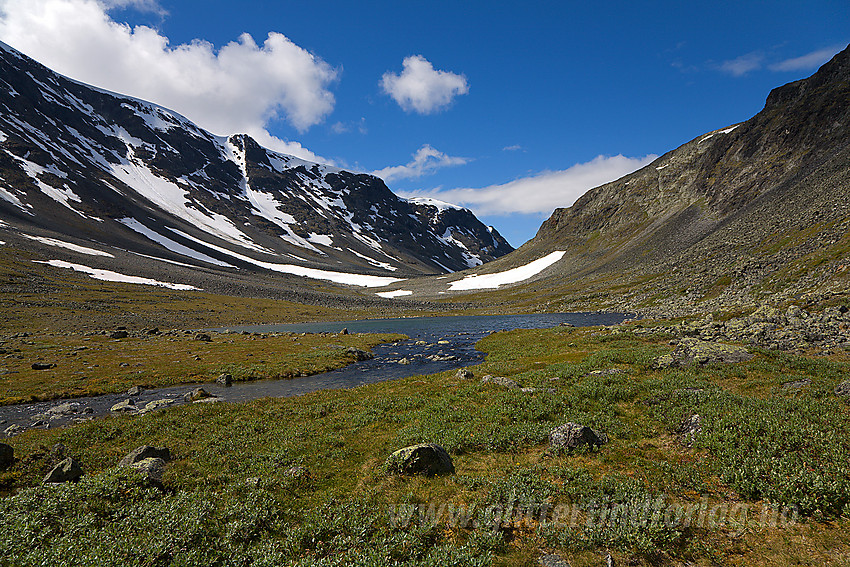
x=110, y=276
x=491, y=281
x=67, y=245
x=393, y=294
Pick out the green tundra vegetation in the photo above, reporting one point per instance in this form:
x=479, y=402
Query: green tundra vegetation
x=765, y=480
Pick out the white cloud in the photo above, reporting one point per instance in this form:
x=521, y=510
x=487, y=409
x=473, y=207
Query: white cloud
x=426, y=160
x=513, y=148
x=420, y=88
x=742, y=65
x=541, y=193
x=808, y=61
x=238, y=88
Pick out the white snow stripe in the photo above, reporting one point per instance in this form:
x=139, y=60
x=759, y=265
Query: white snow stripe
x=489, y=281
x=110, y=276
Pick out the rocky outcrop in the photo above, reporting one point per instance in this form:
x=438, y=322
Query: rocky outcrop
x=145, y=452
x=68, y=470
x=571, y=436
x=695, y=351
x=426, y=459
x=500, y=381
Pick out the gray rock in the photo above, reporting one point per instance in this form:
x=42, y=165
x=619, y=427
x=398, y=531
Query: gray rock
x=13, y=429
x=118, y=335
x=694, y=351
x=145, y=452
x=536, y=390
x=843, y=390
x=156, y=404
x=68, y=470
x=552, y=560
x=196, y=394
x=796, y=384
x=426, y=459
x=404, y=360
x=43, y=365
x=7, y=456
x=134, y=391
x=344, y=331
x=500, y=381
x=573, y=435
x=464, y=374
x=204, y=337
x=224, y=379
x=152, y=468
x=605, y=372
x=359, y=355
x=68, y=408
x=689, y=429
x=127, y=406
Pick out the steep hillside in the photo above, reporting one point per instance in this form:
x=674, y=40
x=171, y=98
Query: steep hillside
x=92, y=169
x=748, y=211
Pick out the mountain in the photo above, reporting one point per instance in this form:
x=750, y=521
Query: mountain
x=100, y=171
x=751, y=211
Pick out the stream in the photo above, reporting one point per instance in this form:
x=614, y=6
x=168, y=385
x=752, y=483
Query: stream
x=435, y=344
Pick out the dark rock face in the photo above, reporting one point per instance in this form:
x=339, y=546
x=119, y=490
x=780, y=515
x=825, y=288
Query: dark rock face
x=574, y=435
x=426, y=459
x=68, y=470
x=81, y=162
x=145, y=452
x=152, y=468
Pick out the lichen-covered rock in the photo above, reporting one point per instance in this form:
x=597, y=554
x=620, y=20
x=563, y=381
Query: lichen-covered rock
x=464, y=374
x=359, y=355
x=7, y=456
x=574, y=435
x=689, y=429
x=196, y=394
x=152, y=468
x=224, y=379
x=127, y=406
x=68, y=470
x=145, y=452
x=695, y=351
x=843, y=390
x=500, y=381
x=426, y=459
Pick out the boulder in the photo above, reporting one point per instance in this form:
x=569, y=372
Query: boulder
x=426, y=459
x=127, y=406
x=145, y=452
x=204, y=337
x=43, y=365
x=695, y=351
x=134, y=391
x=359, y=355
x=118, y=334
x=68, y=470
x=843, y=390
x=689, y=429
x=500, y=381
x=573, y=435
x=224, y=380
x=7, y=456
x=68, y=408
x=196, y=394
x=156, y=404
x=464, y=374
x=152, y=468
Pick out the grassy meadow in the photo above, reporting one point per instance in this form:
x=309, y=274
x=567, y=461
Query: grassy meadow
x=301, y=481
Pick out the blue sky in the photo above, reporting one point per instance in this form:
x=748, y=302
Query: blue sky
x=510, y=108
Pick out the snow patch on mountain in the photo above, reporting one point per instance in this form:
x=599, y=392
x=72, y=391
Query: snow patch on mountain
x=110, y=276
x=361, y=280
x=394, y=294
x=169, y=244
x=515, y=275
x=67, y=245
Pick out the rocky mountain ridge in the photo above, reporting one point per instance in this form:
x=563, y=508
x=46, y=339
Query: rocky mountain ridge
x=94, y=170
x=750, y=212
